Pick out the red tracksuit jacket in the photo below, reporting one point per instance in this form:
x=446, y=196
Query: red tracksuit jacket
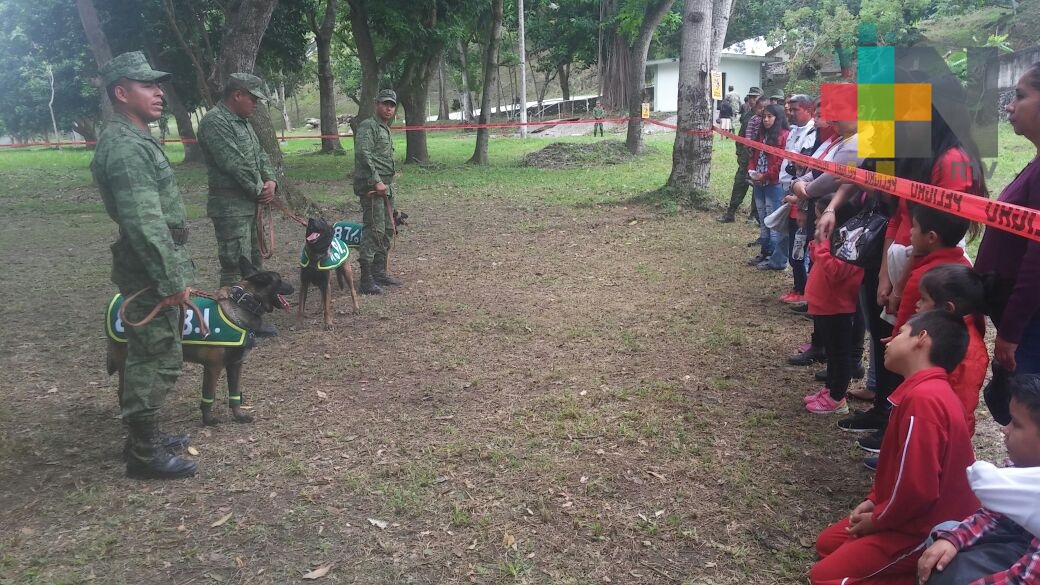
x=833, y=285
x=921, y=479
x=912, y=290
x=969, y=375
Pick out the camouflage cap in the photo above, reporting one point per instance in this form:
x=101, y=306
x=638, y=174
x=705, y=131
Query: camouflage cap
x=754, y=91
x=387, y=95
x=779, y=95
x=247, y=82
x=133, y=65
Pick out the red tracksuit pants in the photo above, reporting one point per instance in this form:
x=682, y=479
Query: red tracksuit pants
x=869, y=560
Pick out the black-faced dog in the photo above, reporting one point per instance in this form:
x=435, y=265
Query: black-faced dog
x=231, y=316
x=322, y=255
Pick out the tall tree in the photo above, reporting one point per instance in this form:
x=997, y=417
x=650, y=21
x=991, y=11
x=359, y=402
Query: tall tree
x=98, y=43
x=626, y=43
x=323, y=30
x=480, y=151
x=704, y=25
x=563, y=34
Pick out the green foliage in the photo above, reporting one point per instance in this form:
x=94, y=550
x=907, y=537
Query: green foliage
x=958, y=60
x=563, y=32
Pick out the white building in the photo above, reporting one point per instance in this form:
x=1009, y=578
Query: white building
x=741, y=65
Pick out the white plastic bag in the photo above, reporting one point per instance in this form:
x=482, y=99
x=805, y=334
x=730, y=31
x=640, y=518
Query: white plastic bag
x=777, y=221
x=1011, y=491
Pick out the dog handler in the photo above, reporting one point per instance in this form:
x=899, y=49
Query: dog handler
x=240, y=177
x=374, y=171
x=140, y=194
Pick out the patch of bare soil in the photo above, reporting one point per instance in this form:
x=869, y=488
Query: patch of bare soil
x=557, y=395
x=563, y=155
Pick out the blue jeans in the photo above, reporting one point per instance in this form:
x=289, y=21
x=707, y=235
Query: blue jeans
x=767, y=199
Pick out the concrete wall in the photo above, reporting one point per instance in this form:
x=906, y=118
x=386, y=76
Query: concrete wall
x=740, y=72
x=1013, y=65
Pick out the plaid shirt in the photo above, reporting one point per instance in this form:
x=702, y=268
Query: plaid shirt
x=1024, y=572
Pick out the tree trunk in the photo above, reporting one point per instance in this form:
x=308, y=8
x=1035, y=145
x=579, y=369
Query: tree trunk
x=371, y=68
x=443, y=106
x=480, y=154
x=238, y=50
x=99, y=47
x=330, y=143
x=467, y=107
x=181, y=115
x=563, y=72
x=286, y=121
x=498, y=79
x=412, y=92
x=691, y=156
x=655, y=11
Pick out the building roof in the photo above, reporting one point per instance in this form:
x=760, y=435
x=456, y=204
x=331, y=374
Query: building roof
x=756, y=48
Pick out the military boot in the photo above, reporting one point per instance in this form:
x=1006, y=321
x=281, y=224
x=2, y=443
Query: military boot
x=173, y=443
x=150, y=460
x=368, y=285
x=379, y=272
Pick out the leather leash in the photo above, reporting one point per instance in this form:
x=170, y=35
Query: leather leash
x=265, y=226
x=203, y=327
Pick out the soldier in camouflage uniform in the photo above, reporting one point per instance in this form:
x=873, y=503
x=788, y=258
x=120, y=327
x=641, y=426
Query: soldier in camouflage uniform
x=140, y=194
x=740, y=178
x=598, y=113
x=240, y=177
x=374, y=171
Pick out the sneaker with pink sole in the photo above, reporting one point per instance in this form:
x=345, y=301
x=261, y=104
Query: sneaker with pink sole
x=827, y=405
x=810, y=398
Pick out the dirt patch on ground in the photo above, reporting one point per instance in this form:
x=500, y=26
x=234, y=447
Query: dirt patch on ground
x=563, y=155
x=559, y=395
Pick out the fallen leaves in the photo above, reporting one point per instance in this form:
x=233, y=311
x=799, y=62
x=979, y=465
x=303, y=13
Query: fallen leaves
x=193, y=451
x=223, y=519
x=380, y=524
x=318, y=573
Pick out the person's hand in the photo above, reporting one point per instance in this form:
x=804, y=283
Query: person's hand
x=792, y=199
x=798, y=188
x=864, y=507
x=936, y=557
x=176, y=299
x=267, y=193
x=892, y=303
x=863, y=527
x=381, y=188
x=1004, y=352
x=884, y=289
x=825, y=226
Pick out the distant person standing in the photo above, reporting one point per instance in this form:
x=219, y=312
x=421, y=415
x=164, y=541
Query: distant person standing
x=725, y=116
x=140, y=194
x=598, y=113
x=734, y=101
x=740, y=178
x=240, y=177
x=374, y=185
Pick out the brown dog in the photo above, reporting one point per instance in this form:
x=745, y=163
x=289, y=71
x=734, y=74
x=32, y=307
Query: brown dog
x=232, y=316
x=322, y=255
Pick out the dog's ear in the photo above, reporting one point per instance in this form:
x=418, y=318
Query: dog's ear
x=246, y=267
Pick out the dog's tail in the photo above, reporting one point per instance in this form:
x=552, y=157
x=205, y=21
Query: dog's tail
x=341, y=279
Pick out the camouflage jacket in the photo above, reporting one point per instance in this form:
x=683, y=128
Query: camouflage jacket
x=236, y=165
x=140, y=194
x=373, y=153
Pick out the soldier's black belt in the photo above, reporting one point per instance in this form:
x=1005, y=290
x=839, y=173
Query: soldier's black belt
x=179, y=235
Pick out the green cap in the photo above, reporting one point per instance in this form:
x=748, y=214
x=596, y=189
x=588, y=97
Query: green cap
x=387, y=95
x=754, y=91
x=777, y=96
x=248, y=83
x=133, y=65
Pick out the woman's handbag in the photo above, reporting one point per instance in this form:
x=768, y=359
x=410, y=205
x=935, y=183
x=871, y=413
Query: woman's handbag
x=860, y=239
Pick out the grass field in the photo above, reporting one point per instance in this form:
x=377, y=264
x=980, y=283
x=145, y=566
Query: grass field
x=576, y=386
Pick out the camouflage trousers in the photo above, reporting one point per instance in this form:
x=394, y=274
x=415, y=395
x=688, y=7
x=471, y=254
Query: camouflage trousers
x=379, y=227
x=153, y=361
x=236, y=237
x=740, y=184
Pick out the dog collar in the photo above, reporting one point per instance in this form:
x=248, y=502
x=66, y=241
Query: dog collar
x=246, y=300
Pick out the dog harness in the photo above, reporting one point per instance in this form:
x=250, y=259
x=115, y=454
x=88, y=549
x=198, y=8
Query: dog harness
x=222, y=331
x=338, y=254
x=349, y=232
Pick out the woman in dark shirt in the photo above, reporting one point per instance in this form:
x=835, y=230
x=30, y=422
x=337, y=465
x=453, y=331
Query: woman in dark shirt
x=1013, y=262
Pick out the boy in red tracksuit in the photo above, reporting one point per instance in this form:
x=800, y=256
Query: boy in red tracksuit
x=832, y=292
x=920, y=479
x=934, y=236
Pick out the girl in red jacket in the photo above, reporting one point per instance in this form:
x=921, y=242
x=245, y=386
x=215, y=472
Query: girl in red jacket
x=764, y=173
x=832, y=292
x=957, y=289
